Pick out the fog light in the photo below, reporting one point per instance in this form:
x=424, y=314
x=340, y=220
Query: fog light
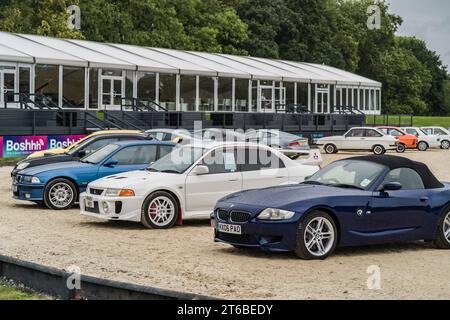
x=27, y=195
x=105, y=207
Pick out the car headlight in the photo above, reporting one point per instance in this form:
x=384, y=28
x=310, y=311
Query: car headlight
x=275, y=214
x=119, y=193
x=30, y=179
x=22, y=165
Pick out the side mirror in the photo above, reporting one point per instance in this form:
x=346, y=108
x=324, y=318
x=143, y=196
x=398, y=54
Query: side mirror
x=392, y=186
x=111, y=163
x=82, y=153
x=200, y=170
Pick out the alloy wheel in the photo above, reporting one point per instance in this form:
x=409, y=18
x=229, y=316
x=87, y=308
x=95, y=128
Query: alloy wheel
x=446, y=227
x=161, y=211
x=61, y=195
x=319, y=236
x=445, y=145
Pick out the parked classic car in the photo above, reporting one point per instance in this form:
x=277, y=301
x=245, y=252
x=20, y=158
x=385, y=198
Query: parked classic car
x=187, y=183
x=405, y=140
x=443, y=134
x=357, y=139
x=426, y=141
x=351, y=202
x=58, y=185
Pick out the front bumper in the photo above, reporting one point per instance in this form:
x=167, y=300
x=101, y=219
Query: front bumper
x=28, y=191
x=119, y=208
x=268, y=236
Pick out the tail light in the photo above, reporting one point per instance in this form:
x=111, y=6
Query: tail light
x=297, y=143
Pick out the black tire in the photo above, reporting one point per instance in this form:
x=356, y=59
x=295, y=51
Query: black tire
x=51, y=204
x=330, y=149
x=441, y=241
x=146, y=220
x=401, y=148
x=301, y=249
x=378, y=150
x=422, y=146
x=445, y=144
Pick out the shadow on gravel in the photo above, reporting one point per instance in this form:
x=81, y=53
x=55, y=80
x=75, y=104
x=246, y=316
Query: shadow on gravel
x=395, y=248
x=111, y=224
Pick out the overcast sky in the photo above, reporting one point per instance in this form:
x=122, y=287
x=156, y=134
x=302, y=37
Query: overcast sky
x=428, y=20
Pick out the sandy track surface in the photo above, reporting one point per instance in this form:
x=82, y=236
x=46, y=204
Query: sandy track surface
x=186, y=259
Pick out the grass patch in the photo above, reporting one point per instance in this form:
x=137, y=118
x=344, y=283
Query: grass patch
x=12, y=293
x=403, y=121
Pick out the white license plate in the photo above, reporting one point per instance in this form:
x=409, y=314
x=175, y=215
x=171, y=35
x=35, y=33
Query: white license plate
x=229, y=228
x=89, y=202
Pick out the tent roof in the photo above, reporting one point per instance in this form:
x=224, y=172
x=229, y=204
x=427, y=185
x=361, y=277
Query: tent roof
x=45, y=50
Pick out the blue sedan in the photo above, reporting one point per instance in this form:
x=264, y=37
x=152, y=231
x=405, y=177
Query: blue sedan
x=58, y=185
x=353, y=202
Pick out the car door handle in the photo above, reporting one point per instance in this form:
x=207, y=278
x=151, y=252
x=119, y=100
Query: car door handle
x=233, y=180
x=424, y=199
x=281, y=177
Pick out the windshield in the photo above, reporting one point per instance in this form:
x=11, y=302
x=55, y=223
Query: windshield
x=348, y=174
x=78, y=145
x=101, y=154
x=177, y=161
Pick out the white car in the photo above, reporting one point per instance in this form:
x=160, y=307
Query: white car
x=443, y=134
x=357, y=139
x=425, y=140
x=188, y=182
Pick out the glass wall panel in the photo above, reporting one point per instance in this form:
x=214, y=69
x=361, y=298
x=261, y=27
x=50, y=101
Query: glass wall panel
x=302, y=94
x=168, y=91
x=254, y=101
x=225, y=94
x=146, y=86
x=188, y=87
x=47, y=81
x=241, y=94
x=112, y=72
x=372, y=100
x=290, y=92
x=355, y=98
x=313, y=97
x=129, y=81
x=206, y=94
x=24, y=79
x=93, y=88
x=344, y=97
x=73, y=87
x=366, y=102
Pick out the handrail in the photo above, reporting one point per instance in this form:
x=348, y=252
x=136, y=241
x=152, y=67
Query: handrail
x=127, y=123
x=141, y=105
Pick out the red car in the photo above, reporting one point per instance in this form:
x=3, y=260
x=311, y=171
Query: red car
x=406, y=141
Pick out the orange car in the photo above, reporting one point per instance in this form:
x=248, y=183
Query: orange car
x=406, y=141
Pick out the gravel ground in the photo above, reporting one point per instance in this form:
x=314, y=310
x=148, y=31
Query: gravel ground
x=186, y=259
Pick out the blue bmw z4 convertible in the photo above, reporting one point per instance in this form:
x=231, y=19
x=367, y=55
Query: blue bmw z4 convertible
x=58, y=185
x=352, y=202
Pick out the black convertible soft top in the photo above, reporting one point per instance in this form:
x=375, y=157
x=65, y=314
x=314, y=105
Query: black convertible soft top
x=395, y=162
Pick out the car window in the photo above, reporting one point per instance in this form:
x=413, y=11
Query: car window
x=440, y=132
x=408, y=178
x=356, y=133
x=411, y=131
x=373, y=134
x=220, y=161
x=428, y=130
x=258, y=159
x=136, y=155
x=163, y=150
x=395, y=133
x=101, y=154
x=94, y=146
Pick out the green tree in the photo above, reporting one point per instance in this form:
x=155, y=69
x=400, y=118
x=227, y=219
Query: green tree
x=435, y=97
x=405, y=82
x=44, y=17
